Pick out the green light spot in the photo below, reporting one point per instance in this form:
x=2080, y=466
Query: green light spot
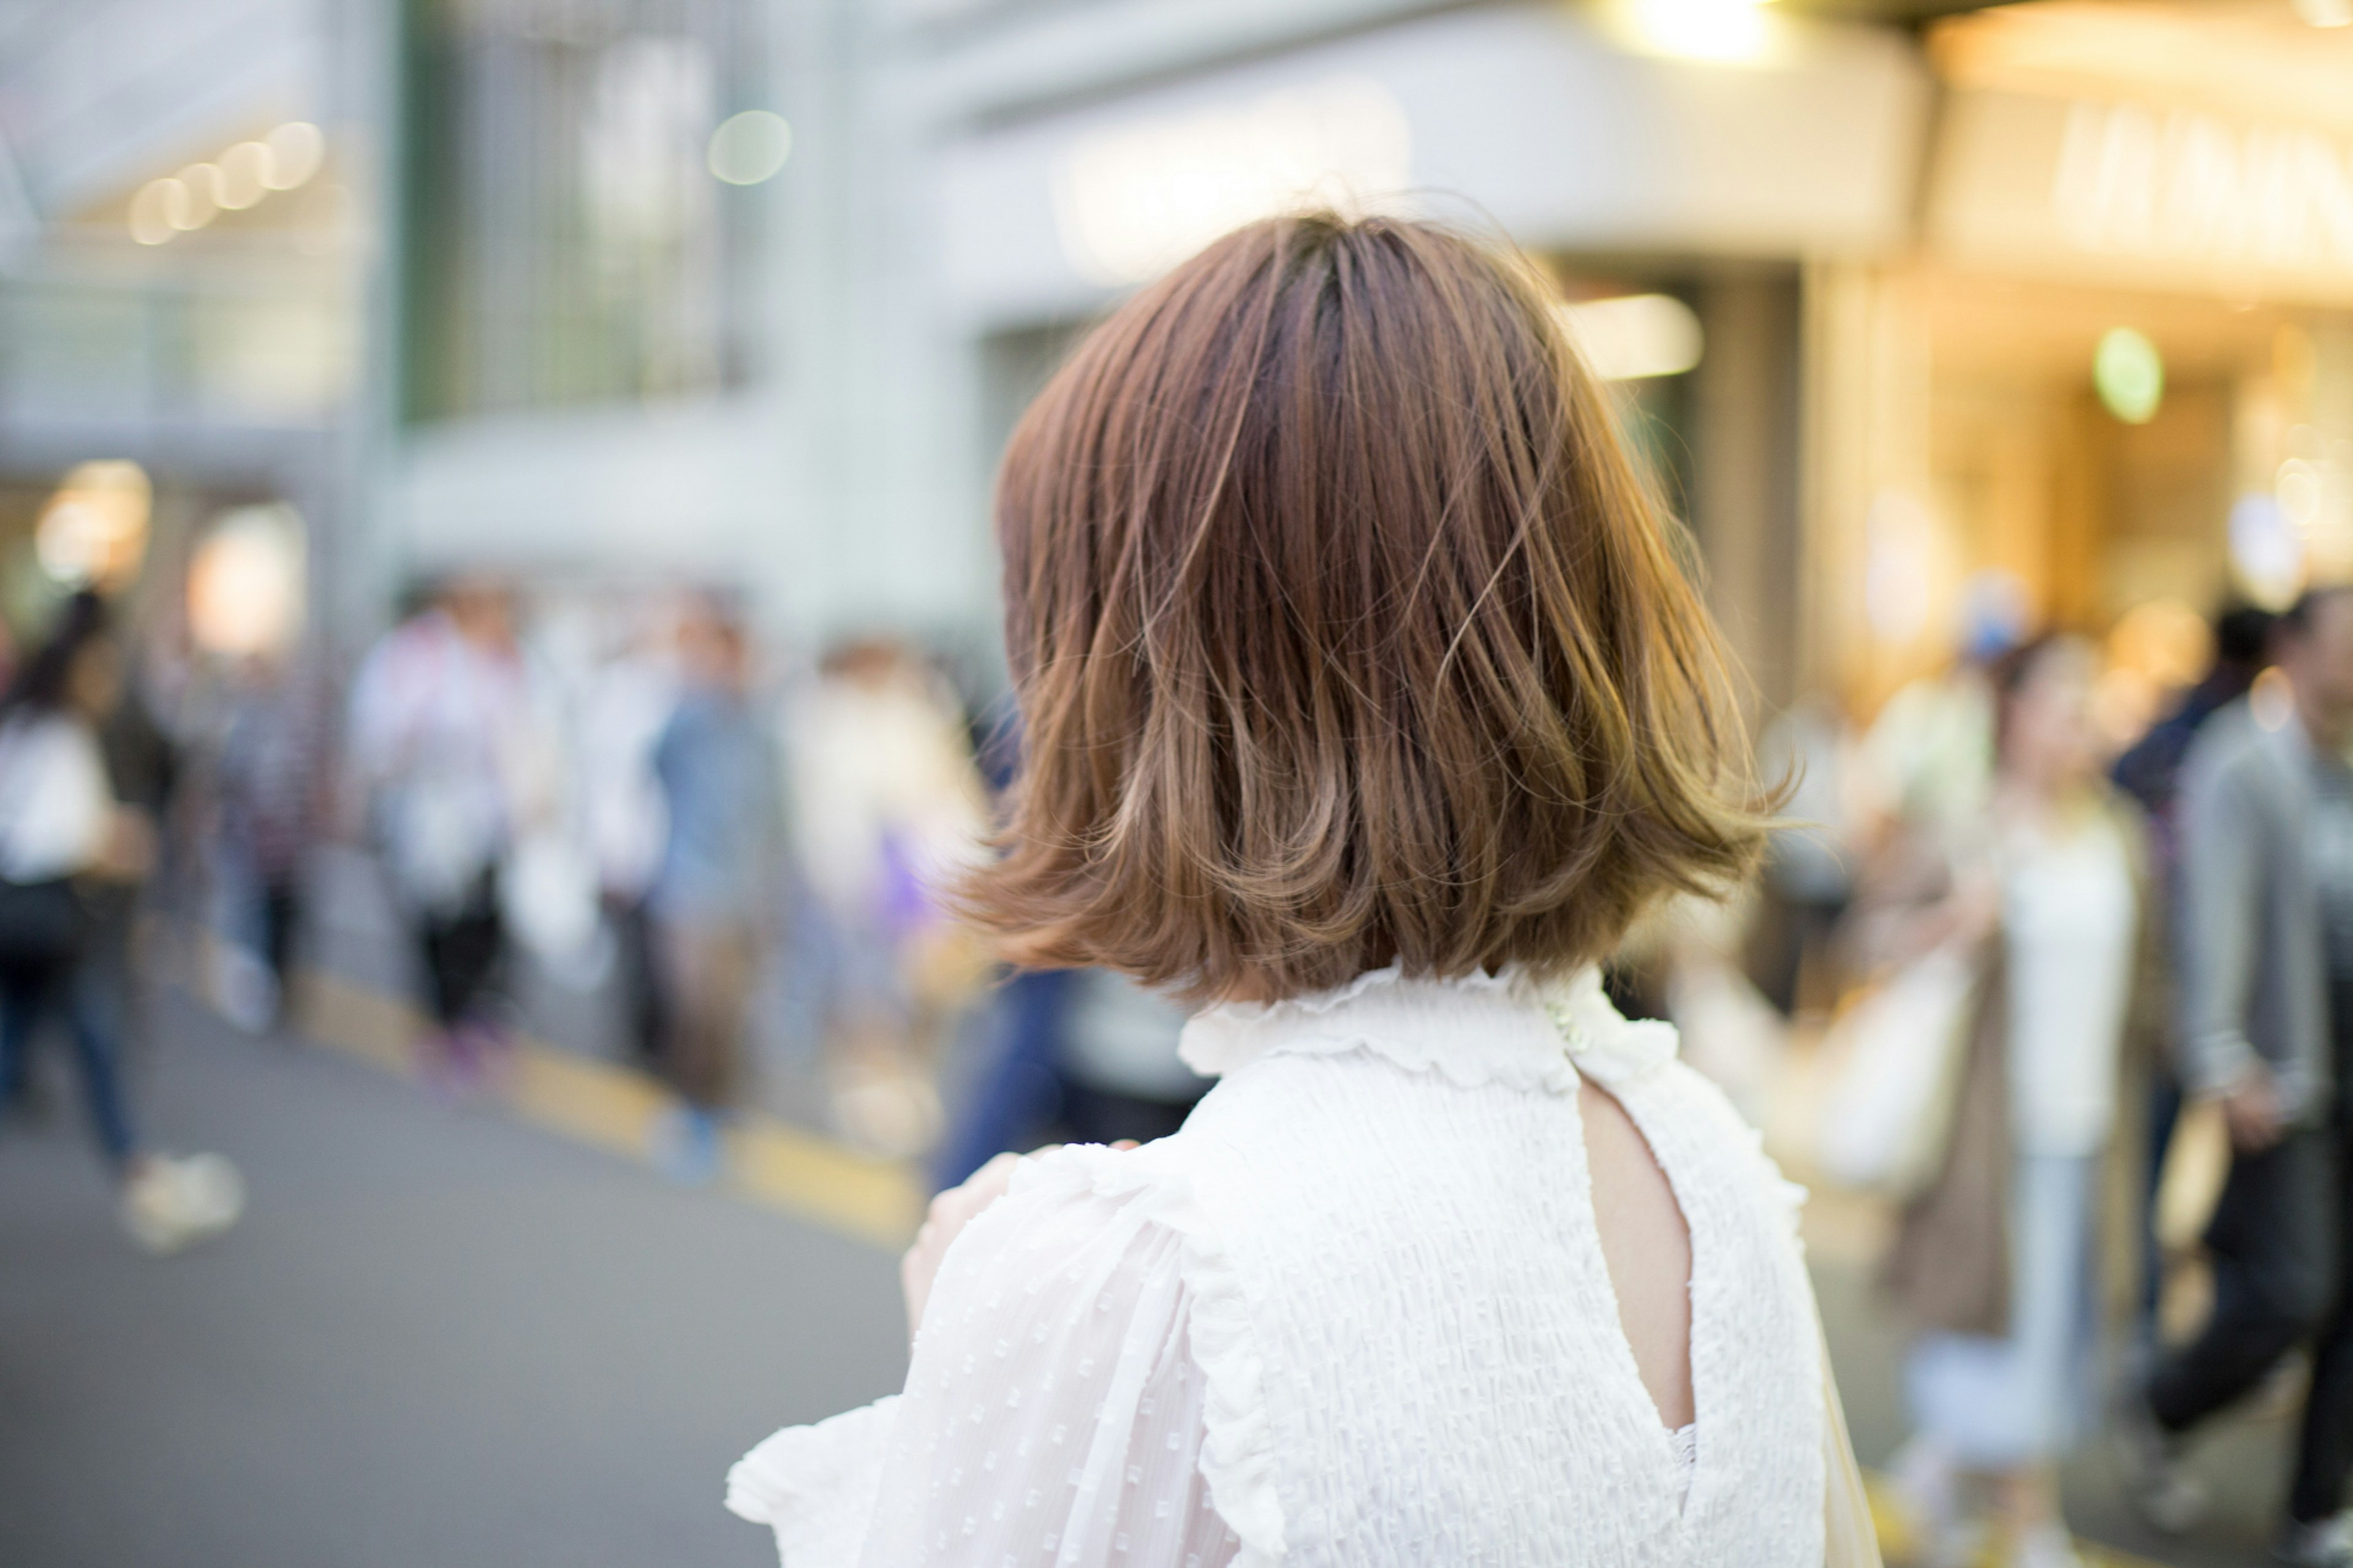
x=2129, y=375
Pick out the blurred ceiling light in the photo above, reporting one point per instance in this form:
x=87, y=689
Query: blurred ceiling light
x=750, y=147
x=93, y=531
x=151, y=209
x=1133, y=199
x=244, y=582
x=1905, y=567
x=2325, y=13
x=2163, y=640
x=245, y=172
x=296, y=149
x=2297, y=486
x=1635, y=335
x=2267, y=553
x=202, y=183
x=2129, y=374
x=1725, y=31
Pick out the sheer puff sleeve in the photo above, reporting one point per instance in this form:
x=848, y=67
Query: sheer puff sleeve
x=1053, y=1414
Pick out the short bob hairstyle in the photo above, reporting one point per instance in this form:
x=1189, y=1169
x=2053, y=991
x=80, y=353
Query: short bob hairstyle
x=1346, y=635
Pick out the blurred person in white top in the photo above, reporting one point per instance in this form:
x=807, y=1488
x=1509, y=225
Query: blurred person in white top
x=2000, y=1259
x=887, y=809
x=446, y=744
x=61, y=829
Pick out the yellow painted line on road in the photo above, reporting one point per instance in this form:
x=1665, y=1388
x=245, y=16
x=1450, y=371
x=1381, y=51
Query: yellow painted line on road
x=609, y=1107
x=1892, y=1523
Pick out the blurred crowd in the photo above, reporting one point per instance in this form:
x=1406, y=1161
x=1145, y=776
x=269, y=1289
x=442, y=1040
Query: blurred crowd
x=2054, y=965
x=738, y=863
x=2054, y=961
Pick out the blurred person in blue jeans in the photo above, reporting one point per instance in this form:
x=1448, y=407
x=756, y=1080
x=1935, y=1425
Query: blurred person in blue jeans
x=1999, y=1261
x=62, y=832
x=270, y=776
x=718, y=881
x=2265, y=927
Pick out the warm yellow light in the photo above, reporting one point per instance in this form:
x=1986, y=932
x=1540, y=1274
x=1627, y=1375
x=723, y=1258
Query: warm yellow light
x=151, y=209
x=245, y=172
x=202, y=202
x=93, y=529
x=1725, y=31
x=296, y=149
x=2162, y=640
x=244, y=582
x=1636, y=335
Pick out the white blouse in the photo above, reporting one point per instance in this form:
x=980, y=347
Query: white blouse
x=2070, y=921
x=1354, y=1312
x=55, y=800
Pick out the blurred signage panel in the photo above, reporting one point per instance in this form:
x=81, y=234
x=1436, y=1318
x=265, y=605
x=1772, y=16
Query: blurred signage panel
x=2140, y=193
x=1132, y=200
x=1535, y=118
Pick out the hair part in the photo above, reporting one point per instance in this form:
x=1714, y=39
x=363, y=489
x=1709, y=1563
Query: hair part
x=1346, y=633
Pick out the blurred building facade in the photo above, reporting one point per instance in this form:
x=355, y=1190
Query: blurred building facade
x=642, y=291
x=183, y=266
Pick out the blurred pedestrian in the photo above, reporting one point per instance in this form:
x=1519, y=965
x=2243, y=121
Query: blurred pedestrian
x=628, y=703
x=888, y=810
x=1808, y=875
x=2000, y=1260
x=2150, y=772
x=270, y=778
x=718, y=885
x=2266, y=1022
x=61, y=831
x=441, y=725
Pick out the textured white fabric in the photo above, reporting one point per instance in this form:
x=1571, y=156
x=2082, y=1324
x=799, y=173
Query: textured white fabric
x=1355, y=1313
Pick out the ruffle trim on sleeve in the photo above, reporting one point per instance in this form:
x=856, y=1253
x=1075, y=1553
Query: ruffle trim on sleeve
x=815, y=1485
x=1237, y=1448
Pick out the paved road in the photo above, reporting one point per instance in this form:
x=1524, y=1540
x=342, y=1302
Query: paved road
x=444, y=1338
x=441, y=1339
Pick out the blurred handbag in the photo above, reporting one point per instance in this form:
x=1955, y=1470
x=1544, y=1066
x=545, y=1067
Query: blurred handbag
x=1896, y=1056
x=41, y=923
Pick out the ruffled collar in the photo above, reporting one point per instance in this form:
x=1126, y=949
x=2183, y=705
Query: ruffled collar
x=1479, y=1028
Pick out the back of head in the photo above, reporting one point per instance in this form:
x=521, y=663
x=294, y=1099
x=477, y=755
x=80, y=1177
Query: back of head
x=1345, y=633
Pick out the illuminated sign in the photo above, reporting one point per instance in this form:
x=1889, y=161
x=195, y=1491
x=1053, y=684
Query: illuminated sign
x=1131, y=200
x=2187, y=185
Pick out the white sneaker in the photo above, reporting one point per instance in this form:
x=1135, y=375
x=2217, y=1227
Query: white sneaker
x=1928, y=1490
x=2166, y=1494
x=2047, y=1545
x=2327, y=1544
x=172, y=1203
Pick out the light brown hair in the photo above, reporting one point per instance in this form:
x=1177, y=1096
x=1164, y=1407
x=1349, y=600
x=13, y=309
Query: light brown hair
x=1345, y=633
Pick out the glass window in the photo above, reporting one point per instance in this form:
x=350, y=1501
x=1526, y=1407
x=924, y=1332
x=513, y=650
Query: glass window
x=567, y=241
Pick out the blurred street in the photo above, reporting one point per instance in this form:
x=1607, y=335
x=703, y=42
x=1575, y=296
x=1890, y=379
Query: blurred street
x=445, y=1334
x=441, y=1336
